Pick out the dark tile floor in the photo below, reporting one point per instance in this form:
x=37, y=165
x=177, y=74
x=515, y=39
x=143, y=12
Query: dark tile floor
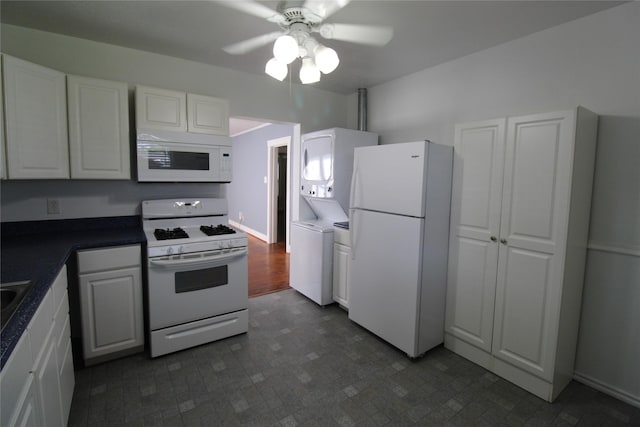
x=303, y=365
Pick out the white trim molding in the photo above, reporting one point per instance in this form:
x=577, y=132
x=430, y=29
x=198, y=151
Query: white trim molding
x=594, y=246
x=248, y=230
x=607, y=389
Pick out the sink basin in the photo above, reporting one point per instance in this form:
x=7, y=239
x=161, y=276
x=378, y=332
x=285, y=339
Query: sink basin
x=11, y=295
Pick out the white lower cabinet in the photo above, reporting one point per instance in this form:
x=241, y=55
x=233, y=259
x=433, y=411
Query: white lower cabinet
x=341, y=261
x=18, y=396
x=37, y=383
x=519, y=226
x=110, y=302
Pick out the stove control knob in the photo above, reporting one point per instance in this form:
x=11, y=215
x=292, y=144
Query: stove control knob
x=181, y=249
x=169, y=250
x=220, y=245
x=229, y=244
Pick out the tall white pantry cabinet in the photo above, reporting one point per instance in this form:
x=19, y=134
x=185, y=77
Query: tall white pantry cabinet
x=519, y=226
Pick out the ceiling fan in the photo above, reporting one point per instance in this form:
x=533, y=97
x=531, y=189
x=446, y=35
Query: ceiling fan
x=297, y=22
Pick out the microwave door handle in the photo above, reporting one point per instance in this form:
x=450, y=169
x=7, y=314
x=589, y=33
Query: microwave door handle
x=203, y=261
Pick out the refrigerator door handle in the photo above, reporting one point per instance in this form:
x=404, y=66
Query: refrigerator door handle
x=352, y=233
x=352, y=193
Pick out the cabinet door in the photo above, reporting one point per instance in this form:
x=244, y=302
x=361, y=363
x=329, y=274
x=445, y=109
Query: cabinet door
x=207, y=114
x=534, y=208
x=98, y=128
x=161, y=109
x=16, y=383
x=475, y=223
x=67, y=376
x=26, y=411
x=341, y=256
x=36, y=120
x=48, y=385
x=111, y=306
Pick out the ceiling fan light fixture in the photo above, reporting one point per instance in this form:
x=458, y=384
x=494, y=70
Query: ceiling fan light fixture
x=285, y=49
x=309, y=72
x=276, y=69
x=326, y=59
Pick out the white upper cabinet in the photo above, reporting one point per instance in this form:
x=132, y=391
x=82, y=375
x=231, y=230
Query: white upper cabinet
x=98, y=128
x=179, y=111
x=36, y=121
x=161, y=109
x=519, y=228
x=207, y=114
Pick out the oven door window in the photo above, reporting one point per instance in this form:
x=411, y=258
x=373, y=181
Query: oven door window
x=178, y=160
x=190, y=281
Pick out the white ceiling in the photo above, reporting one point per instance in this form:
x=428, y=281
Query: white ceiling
x=426, y=33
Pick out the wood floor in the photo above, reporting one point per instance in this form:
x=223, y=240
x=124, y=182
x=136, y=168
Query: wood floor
x=268, y=267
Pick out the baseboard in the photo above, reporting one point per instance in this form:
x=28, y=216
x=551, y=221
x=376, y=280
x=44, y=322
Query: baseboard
x=248, y=230
x=607, y=389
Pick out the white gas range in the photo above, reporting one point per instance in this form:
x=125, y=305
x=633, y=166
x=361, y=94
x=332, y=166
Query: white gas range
x=197, y=273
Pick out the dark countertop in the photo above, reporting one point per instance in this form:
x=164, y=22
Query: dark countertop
x=37, y=250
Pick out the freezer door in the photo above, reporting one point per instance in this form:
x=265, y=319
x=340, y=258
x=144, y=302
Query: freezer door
x=385, y=276
x=390, y=178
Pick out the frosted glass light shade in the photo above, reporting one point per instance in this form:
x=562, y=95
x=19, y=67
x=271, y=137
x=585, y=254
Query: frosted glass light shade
x=276, y=69
x=309, y=72
x=285, y=49
x=326, y=59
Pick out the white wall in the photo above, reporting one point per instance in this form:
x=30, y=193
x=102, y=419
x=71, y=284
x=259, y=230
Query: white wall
x=248, y=191
x=249, y=95
x=593, y=62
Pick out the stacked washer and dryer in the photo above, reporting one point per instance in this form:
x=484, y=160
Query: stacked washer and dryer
x=326, y=168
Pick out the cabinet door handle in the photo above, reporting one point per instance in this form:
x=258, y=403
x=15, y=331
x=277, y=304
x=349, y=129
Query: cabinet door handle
x=493, y=238
x=503, y=241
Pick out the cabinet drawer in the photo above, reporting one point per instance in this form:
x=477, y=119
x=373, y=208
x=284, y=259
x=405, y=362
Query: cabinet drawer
x=93, y=260
x=60, y=288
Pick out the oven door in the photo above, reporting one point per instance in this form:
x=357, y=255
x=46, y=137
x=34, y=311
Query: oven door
x=180, y=162
x=194, y=286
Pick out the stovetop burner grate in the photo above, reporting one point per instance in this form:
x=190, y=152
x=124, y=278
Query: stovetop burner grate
x=168, y=234
x=217, y=230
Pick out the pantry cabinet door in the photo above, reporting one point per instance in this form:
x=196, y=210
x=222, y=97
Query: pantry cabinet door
x=475, y=222
x=98, y=128
x=161, y=109
x=207, y=114
x=36, y=121
x=532, y=233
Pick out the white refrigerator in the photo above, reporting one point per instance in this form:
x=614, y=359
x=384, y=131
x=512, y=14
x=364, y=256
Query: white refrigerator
x=399, y=230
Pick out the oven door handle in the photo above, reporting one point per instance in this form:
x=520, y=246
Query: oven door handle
x=202, y=261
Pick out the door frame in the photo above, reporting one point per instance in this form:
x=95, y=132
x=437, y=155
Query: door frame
x=272, y=191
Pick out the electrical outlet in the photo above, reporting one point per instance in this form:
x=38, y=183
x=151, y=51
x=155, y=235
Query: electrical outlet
x=53, y=206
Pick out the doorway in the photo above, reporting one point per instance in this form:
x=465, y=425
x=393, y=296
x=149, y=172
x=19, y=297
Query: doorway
x=278, y=194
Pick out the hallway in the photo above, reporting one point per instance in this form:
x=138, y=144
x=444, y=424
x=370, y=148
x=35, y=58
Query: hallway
x=268, y=267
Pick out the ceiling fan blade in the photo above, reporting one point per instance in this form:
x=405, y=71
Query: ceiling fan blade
x=251, y=44
x=373, y=35
x=325, y=8
x=252, y=7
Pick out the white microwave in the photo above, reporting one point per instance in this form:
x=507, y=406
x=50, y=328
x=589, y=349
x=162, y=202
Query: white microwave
x=167, y=156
